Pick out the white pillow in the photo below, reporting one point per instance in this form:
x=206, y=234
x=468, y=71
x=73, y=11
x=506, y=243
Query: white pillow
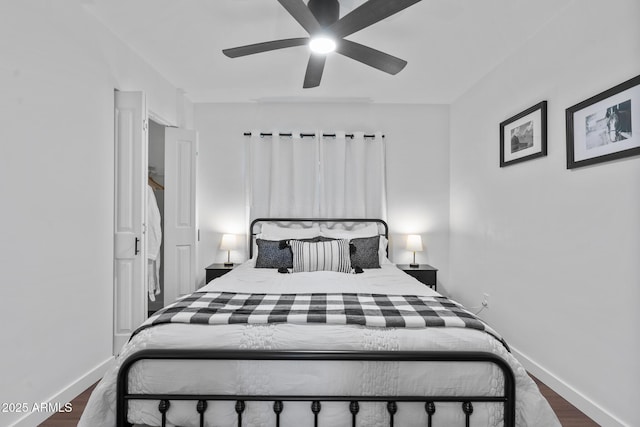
x=274, y=232
x=331, y=255
x=368, y=230
x=382, y=251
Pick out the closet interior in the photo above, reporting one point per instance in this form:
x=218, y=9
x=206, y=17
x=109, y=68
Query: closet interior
x=156, y=184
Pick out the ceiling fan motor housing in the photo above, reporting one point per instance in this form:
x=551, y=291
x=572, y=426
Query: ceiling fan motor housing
x=327, y=12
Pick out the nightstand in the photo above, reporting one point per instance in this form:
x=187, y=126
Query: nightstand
x=424, y=273
x=216, y=270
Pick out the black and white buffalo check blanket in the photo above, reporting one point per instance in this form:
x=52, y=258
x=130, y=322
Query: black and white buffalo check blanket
x=372, y=310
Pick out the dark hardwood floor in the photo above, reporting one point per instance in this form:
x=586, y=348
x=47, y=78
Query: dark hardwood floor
x=569, y=415
x=68, y=419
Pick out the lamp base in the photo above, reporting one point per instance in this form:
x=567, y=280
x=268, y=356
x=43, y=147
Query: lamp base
x=228, y=264
x=414, y=265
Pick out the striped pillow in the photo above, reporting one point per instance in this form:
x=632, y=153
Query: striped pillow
x=330, y=255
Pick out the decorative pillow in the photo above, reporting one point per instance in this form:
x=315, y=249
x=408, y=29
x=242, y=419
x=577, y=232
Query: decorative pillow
x=370, y=230
x=273, y=254
x=366, y=252
x=332, y=255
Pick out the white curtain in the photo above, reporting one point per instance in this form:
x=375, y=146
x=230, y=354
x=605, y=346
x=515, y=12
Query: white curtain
x=319, y=176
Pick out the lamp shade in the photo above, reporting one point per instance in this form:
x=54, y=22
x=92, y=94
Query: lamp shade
x=228, y=242
x=414, y=242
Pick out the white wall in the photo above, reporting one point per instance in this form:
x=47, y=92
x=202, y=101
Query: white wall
x=557, y=250
x=417, y=168
x=58, y=71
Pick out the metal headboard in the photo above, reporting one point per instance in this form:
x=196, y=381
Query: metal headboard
x=253, y=233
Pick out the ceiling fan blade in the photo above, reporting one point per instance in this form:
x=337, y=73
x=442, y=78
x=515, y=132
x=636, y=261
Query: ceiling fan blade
x=372, y=57
x=367, y=14
x=250, y=49
x=315, y=67
x=302, y=14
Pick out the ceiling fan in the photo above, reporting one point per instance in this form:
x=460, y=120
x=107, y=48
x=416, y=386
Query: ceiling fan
x=321, y=19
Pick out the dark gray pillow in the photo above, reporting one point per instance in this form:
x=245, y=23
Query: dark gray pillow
x=274, y=254
x=364, y=252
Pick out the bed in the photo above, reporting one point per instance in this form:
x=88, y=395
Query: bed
x=339, y=346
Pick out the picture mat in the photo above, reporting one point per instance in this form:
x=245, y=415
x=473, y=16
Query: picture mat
x=536, y=118
x=580, y=150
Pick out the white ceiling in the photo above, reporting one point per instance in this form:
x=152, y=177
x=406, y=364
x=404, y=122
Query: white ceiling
x=449, y=45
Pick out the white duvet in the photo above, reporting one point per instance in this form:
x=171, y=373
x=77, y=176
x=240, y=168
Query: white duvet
x=322, y=377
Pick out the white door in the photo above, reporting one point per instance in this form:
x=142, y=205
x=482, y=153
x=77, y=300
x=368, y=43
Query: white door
x=179, y=213
x=130, y=273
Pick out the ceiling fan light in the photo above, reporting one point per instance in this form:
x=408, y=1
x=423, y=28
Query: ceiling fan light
x=322, y=45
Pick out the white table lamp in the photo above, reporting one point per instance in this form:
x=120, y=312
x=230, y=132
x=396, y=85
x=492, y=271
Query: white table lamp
x=228, y=244
x=414, y=244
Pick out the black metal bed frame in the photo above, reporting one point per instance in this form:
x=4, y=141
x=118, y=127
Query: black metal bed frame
x=352, y=402
x=202, y=400
x=253, y=233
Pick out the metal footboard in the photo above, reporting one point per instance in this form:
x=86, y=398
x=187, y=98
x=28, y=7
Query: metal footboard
x=352, y=402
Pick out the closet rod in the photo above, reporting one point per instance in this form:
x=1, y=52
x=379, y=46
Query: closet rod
x=302, y=135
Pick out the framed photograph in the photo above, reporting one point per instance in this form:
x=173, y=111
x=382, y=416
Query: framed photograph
x=602, y=128
x=524, y=136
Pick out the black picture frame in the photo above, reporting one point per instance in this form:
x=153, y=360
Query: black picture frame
x=601, y=128
x=524, y=136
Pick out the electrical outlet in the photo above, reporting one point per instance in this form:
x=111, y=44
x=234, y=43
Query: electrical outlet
x=485, y=300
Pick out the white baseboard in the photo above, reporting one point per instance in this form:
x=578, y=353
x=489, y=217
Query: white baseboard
x=573, y=396
x=65, y=395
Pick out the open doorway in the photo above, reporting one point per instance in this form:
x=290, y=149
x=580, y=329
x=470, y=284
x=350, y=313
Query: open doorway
x=172, y=166
x=149, y=151
x=156, y=183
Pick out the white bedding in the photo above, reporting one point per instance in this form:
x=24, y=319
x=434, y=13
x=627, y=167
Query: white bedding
x=364, y=378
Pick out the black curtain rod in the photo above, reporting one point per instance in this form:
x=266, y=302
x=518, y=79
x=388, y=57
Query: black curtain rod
x=302, y=135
